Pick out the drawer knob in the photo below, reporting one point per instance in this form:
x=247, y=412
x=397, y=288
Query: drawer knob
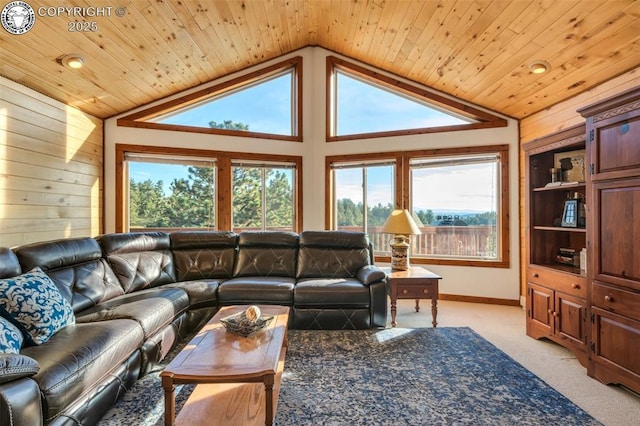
x=608, y=299
x=405, y=291
x=425, y=291
x=575, y=286
x=535, y=275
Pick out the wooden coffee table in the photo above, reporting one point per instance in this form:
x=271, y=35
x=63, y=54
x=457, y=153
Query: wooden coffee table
x=238, y=377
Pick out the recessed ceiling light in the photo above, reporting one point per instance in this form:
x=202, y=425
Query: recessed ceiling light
x=539, y=67
x=73, y=60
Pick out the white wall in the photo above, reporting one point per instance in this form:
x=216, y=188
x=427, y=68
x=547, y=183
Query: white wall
x=500, y=283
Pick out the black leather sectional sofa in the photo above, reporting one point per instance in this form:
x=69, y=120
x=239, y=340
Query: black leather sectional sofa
x=135, y=295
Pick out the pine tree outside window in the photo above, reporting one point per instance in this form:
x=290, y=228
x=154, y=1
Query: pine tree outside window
x=263, y=196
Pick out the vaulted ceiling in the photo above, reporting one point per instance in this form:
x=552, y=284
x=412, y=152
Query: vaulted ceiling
x=478, y=51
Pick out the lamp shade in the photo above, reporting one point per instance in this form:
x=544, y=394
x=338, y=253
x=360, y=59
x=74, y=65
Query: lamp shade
x=400, y=222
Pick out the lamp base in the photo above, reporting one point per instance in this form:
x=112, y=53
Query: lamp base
x=399, y=253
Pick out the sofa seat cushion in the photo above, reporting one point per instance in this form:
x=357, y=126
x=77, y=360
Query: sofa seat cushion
x=153, y=308
x=202, y=293
x=331, y=292
x=267, y=290
x=79, y=357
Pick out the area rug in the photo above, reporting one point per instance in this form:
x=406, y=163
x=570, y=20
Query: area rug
x=424, y=376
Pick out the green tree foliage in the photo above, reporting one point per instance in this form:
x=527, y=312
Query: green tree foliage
x=146, y=203
x=247, y=197
x=425, y=216
x=279, y=194
x=229, y=125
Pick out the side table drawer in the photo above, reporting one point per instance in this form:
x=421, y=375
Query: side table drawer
x=424, y=291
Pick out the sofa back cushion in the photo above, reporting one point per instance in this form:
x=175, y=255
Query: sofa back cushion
x=9, y=264
x=76, y=267
x=139, y=259
x=203, y=254
x=267, y=253
x=332, y=254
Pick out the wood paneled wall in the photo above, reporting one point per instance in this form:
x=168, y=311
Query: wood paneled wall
x=558, y=117
x=51, y=170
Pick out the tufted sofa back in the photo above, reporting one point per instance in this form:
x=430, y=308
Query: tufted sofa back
x=332, y=254
x=267, y=253
x=203, y=254
x=139, y=259
x=77, y=268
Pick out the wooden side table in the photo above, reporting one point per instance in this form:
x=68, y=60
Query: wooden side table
x=415, y=283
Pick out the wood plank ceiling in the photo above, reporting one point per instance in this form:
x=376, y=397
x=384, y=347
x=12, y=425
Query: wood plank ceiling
x=478, y=50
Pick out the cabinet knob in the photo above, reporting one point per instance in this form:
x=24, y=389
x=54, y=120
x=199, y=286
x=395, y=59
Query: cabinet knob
x=608, y=299
x=535, y=275
x=575, y=286
x=550, y=312
x=405, y=291
x=425, y=291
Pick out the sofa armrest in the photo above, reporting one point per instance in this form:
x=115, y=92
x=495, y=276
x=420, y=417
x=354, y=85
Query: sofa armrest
x=20, y=403
x=370, y=274
x=16, y=366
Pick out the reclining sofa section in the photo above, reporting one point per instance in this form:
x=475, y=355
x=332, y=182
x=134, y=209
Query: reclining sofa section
x=135, y=295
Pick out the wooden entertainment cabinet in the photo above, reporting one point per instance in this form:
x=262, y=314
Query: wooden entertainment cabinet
x=557, y=306
x=594, y=313
x=613, y=141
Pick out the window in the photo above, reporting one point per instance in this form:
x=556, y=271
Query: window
x=170, y=192
x=174, y=188
x=364, y=107
x=263, y=196
x=362, y=103
x=458, y=197
x=265, y=104
x=363, y=198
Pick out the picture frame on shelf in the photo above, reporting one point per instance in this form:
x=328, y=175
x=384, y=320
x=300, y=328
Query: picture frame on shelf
x=570, y=214
x=572, y=164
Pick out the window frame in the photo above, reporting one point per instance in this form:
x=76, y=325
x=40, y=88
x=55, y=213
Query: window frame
x=140, y=119
x=334, y=65
x=503, y=213
x=223, y=180
x=403, y=194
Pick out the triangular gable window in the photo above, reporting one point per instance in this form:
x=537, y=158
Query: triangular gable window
x=366, y=104
x=264, y=104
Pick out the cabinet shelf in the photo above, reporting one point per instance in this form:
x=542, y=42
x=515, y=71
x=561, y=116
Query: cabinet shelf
x=566, y=187
x=559, y=228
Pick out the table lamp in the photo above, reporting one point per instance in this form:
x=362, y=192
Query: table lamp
x=401, y=224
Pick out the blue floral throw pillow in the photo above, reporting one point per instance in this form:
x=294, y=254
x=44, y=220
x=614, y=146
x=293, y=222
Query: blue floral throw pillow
x=10, y=338
x=33, y=303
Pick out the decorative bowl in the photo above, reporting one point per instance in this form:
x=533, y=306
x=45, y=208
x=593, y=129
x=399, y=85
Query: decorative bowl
x=241, y=325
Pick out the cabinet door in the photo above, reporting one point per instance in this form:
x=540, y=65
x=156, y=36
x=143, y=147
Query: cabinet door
x=614, y=232
x=615, y=148
x=571, y=319
x=616, y=345
x=540, y=321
